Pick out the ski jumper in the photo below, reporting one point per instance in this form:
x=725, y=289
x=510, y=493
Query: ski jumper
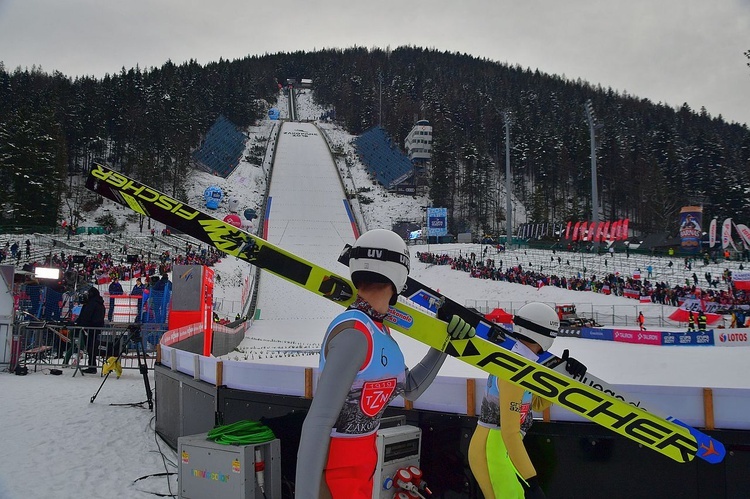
x=362, y=370
x=497, y=455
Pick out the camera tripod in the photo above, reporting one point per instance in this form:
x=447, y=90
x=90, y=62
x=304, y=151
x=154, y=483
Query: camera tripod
x=134, y=335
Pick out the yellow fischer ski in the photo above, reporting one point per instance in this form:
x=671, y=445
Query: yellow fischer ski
x=669, y=438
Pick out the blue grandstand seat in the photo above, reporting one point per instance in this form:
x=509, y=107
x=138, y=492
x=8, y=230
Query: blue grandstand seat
x=382, y=158
x=222, y=148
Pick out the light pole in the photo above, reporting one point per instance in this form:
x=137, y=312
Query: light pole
x=593, y=126
x=508, y=202
x=380, y=99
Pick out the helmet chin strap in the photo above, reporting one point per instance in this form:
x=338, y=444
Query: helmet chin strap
x=394, y=296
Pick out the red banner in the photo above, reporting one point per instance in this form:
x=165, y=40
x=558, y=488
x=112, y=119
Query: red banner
x=640, y=337
x=575, y=231
x=592, y=231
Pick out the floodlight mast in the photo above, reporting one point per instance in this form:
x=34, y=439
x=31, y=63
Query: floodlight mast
x=507, y=120
x=380, y=98
x=588, y=106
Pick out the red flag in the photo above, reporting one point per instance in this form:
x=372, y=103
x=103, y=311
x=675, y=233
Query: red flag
x=741, y=279
x=624, y=229
x=575, y=231
x=592, y=231
x=605, y=232
x=567, y=230
x=614, y=232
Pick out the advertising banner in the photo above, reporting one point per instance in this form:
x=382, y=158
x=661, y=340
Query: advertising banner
x=638, y=337
x=726, y=234
x=690, y=338
x=437, y=221
x=597, y=334
x=744, y=232
x=731, y=338
x=570, y=332
x=690, y=228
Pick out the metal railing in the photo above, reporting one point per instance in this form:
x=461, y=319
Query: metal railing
x=39, y=344
x=611, y=315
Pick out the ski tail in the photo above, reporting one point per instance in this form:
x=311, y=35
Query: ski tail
x=709, y=448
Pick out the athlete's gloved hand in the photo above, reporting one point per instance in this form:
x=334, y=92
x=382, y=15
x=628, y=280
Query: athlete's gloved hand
x=575, y=367
x=459, y=329
x=532, y=489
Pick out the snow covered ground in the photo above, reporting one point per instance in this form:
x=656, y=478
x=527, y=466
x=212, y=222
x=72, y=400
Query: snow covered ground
x=58, y=444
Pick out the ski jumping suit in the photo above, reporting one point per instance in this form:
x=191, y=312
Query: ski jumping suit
x=496, y=451
x=362, y=370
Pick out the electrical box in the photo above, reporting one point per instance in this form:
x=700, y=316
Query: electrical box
x=208, y=470
x=398, y=447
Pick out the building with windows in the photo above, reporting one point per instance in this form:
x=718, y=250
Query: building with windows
x=418, y=142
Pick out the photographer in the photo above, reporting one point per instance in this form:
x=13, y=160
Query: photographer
x=92, y=315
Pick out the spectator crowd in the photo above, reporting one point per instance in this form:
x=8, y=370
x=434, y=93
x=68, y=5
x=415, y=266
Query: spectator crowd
x=612, y=283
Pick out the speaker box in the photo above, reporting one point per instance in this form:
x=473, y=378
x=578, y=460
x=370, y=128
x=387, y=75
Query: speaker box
x=132, y=258
x=79, y=258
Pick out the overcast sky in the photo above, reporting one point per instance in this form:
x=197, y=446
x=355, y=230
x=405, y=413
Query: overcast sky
x=670, y=51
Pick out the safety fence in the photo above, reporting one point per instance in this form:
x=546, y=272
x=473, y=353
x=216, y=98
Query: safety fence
x=614, y=315
x=47, y=303
x=35, y=345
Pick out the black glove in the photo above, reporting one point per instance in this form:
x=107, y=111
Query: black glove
x=459, y=329
x=575, y=367
x=532, y=489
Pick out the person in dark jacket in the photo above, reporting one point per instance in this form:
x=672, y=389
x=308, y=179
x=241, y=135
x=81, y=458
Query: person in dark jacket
x=138, y=291
x=115, y=289
x=702, y=321
x=160, y=292
x=92, y=316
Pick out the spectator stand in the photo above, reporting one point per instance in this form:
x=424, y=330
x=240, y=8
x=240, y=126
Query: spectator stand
x=221, y=149
x=603, y=273
x=382, y=157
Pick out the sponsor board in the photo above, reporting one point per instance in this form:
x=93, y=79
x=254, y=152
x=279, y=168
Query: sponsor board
x=732, y=338
x=690, y=338
x=597, y=334
x=638, y=337
x=569, y=332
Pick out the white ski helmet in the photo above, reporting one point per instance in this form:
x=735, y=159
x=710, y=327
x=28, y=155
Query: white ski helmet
x=537, y=322
x=379, y=255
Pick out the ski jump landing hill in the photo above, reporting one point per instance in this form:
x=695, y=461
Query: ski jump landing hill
x=307, y=213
